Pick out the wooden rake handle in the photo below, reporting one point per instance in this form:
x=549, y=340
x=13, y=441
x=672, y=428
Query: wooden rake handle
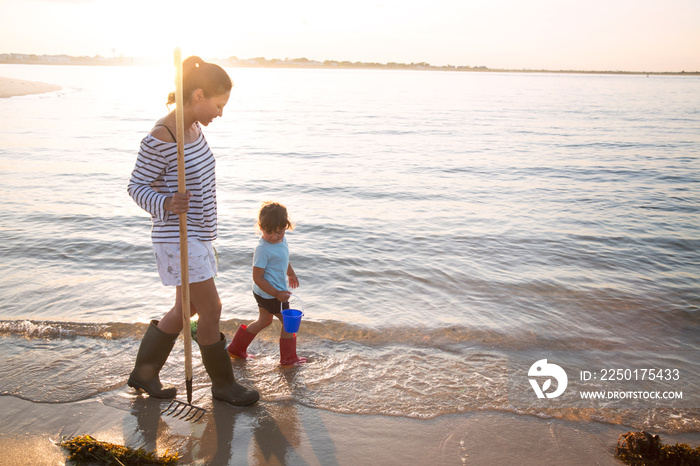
x=182, y=188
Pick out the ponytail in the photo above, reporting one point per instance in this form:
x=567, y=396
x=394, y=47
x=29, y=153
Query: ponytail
x=198, y=74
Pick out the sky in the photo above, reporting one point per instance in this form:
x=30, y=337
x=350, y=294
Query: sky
x=596, y=35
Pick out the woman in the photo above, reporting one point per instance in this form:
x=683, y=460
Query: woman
x=153, y=185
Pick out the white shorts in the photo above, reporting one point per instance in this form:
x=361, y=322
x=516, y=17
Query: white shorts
x=201, y=260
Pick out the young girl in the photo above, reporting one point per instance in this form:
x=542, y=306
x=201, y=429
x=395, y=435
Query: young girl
x=153, y=185
x=271, y=268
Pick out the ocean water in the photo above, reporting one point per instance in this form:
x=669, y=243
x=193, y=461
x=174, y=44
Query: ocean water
x=448, y=225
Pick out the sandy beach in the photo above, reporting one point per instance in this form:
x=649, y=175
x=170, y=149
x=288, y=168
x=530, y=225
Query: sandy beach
x=289, y=433
x=10, y=87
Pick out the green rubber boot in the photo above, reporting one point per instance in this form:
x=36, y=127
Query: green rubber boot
x=223, y=385
x=153, y=352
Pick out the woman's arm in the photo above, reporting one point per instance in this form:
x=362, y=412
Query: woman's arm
x=151, y=164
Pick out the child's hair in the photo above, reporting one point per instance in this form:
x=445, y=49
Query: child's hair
x=198, y=74
x=273, y=217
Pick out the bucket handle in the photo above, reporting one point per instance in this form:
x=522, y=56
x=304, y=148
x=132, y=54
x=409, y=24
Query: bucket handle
x=290, y=298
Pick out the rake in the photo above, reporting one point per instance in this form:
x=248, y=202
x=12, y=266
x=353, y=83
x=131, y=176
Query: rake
x=185, y=411
x=176, y=408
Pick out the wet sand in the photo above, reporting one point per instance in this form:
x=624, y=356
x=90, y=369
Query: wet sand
x=10, y=87
x=289, y=433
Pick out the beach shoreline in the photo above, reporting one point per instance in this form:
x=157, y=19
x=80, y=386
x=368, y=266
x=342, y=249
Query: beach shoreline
x=10, y=87
x=284, y=432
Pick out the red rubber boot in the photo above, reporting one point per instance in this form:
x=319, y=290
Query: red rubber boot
x=288, y=352
x=240, y=343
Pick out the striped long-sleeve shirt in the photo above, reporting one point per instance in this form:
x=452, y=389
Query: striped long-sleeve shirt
x=155, y=178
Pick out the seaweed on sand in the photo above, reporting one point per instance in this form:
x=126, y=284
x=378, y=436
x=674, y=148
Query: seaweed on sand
x=644, y=449
x=87, y=450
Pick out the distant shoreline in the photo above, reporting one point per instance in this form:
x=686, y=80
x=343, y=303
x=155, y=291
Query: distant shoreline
x=260, y=62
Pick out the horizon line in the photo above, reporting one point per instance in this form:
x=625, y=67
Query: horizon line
x=302, y=62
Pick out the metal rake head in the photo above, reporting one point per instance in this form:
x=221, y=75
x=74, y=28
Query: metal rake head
x=184, y=411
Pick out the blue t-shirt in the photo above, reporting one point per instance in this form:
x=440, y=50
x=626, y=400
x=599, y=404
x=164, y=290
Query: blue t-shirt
x=274, y=258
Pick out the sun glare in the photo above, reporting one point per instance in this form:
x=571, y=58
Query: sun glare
x=544, y=34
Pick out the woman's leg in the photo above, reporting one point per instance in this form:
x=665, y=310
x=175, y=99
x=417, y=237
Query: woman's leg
x=212, y=346
x=205, y=301
x=172, y=320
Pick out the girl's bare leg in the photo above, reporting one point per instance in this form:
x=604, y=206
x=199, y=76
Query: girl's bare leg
x=264, y=320
x=283, y=334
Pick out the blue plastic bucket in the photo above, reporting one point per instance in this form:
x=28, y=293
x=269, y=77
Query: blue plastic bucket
x=292, y=320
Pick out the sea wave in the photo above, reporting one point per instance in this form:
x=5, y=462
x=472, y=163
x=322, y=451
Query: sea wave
x=449, y=338
x=411, y=372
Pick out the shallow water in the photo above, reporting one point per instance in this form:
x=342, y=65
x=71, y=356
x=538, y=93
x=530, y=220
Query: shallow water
x=446, y=223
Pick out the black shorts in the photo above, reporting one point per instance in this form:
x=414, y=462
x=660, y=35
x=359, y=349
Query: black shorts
x=270, y=305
